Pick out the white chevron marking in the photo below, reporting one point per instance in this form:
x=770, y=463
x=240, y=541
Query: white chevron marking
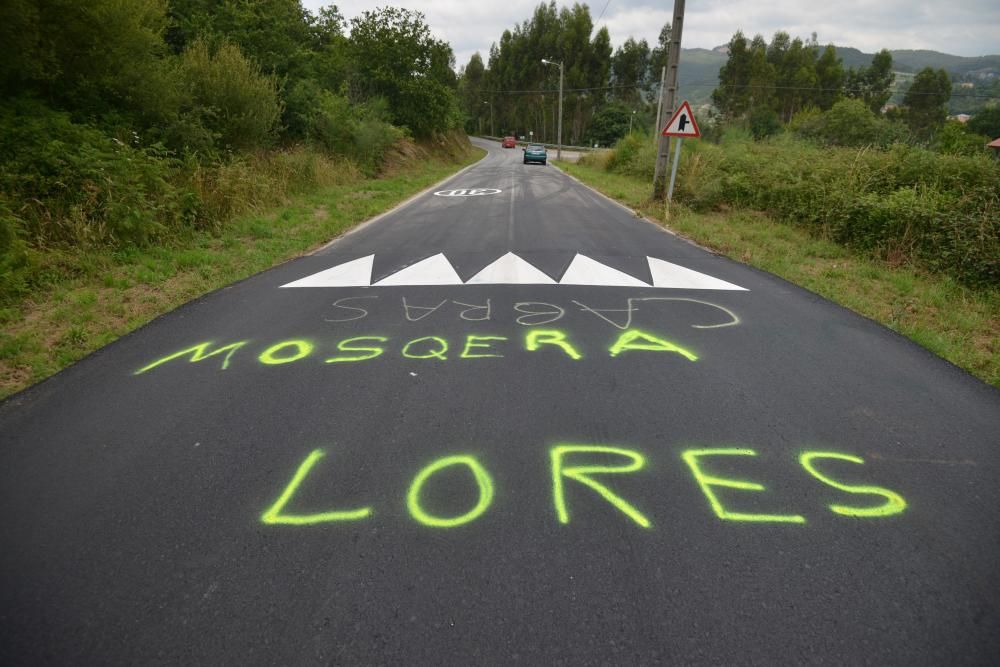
x=510, y=270
x=586, y=271
x=666, y=274
x=513, y=270
x=356, y=273
x=435, y=270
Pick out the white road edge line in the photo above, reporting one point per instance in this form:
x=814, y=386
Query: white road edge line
x=398, y=206
x=661, y=226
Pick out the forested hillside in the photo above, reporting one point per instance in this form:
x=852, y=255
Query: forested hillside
x=126, y=122
x=609, y=90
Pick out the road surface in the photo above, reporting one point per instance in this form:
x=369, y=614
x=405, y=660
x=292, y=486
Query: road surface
x=509, y=422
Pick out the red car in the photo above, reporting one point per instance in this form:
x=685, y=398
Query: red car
x=509, y=142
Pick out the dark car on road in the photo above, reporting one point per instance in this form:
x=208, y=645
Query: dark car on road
x=535, y=153
x=509, y=142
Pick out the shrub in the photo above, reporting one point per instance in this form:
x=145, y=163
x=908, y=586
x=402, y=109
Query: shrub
x=955, y=138
x=764, y=123
x=906, y=204
x=358, y=132
x=848, y=123
x=72, y=183
x=229, y=95
x=634, y=155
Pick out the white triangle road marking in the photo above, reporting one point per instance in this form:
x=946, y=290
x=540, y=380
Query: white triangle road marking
x=510, y=270
x=435, y=270
x=356, y=273
x=666, y=274
x=586, y=271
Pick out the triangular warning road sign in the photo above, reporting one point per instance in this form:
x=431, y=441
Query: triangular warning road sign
x=682, y=123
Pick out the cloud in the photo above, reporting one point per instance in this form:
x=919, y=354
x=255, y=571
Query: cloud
x=960, y=27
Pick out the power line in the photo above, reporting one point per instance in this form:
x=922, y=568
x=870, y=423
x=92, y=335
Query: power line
x=602, y=12
x=545, y=91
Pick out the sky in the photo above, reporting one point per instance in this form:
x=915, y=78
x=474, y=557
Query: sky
x=959, y=27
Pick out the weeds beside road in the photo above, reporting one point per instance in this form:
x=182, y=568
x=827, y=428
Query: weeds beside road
x=94, y=296
x=954, y=321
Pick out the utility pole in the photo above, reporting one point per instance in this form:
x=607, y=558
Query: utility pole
x=559, y=131
x=491, y=118
x=658, y=125
x=667, y=95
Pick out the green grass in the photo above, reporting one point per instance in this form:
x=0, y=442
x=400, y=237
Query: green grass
x=94, y=297
x=953, y=321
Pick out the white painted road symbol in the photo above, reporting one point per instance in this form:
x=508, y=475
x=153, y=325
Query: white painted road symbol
x=468, y=192
x=513, y=270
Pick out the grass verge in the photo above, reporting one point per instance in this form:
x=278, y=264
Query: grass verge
x=104, y=294
x=955, y=322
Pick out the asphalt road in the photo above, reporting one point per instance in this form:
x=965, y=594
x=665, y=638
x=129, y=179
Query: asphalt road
x=553, y=434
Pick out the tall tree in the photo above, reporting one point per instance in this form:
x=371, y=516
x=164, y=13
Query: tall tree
x=797, y=79
x=872, y=84
x=829, y=78
x=762, y=75
x=658, y=56
x=524, y=91
x=630, y=70
x=395, y=56
x=926, y=102
x=274, y=33
x=470, y=86
x=731, y=95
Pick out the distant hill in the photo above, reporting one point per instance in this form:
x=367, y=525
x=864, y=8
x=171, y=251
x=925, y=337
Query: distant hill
x=699, y=68
x=913, y=61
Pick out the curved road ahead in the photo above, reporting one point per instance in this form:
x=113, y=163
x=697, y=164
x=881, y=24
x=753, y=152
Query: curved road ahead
x=506, y=423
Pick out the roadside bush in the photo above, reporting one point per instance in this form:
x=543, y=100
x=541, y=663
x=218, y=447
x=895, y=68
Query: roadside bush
x=229, y=96
x=634, y=155
x=955, y=138
x=848, y=123
x=764, y=123
x=906, y=204
x=358, y=132
x=72, y=183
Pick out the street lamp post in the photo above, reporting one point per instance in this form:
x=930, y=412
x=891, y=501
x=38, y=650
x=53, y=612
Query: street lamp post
x=630, y=121
x=491, y=117
x=559, y=131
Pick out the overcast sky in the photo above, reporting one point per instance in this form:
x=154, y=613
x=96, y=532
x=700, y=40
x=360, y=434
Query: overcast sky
x=960, y=27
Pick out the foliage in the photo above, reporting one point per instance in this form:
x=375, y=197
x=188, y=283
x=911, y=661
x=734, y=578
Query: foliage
x=783, y=77
x=470, y=93
x=904, y=203
x=848, y=123
x=986, y=122
x=955, y=138
x=68, y=183
x=522, y=92
x=872, y=84
x=630, y=72
x=232, y=99
x=361, y=132
x=609, y=124
x=129, y=123
x=634, y=155
x=926, y=102
x=395, y=57
x=763, y=123
x=96, y=57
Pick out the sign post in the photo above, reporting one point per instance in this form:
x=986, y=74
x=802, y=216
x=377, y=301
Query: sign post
x=682, y=124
